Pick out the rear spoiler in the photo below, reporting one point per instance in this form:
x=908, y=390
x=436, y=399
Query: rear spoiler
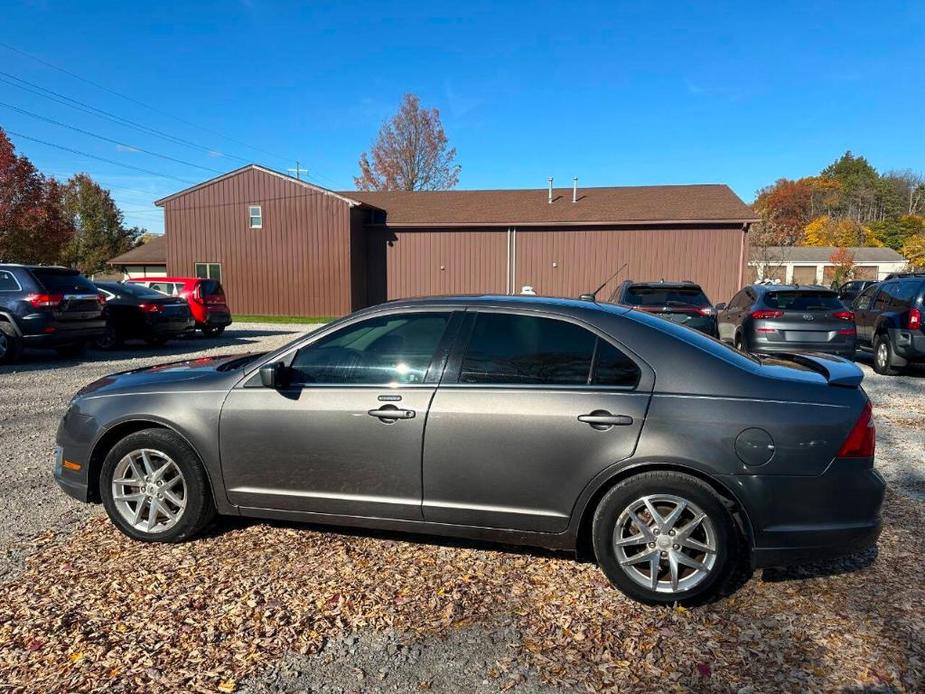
x=837, y=371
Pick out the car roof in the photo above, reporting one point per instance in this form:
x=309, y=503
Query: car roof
x=504, y=300
x=39, y=267
x=792, y=288
x=687, y=284
x=168, y=279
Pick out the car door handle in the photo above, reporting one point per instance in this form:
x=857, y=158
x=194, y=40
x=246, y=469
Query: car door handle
x=601, y=419
x=391, y=412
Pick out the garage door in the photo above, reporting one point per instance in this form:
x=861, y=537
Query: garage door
x=804, y=274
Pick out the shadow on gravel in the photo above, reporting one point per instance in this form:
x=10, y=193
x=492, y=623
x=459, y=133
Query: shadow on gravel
x=912, y=370
x=821, y=569
x=35, y=360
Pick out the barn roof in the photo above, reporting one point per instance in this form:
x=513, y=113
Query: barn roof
x=154, y=252
x=823, y=254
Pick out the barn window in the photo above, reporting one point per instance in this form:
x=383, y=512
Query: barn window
x=255, y=215
x=208, y=271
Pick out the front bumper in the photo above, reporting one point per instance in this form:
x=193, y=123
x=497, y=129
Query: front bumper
x=797, y=519
x=73, y=484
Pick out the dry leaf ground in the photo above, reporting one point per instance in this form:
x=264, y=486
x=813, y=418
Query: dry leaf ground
x=102, y=612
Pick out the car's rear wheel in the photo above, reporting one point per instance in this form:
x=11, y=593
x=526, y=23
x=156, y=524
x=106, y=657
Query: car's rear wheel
x=154, y=487
x=156, y=340
x=213, y=331
x=110, y=339
x=10, y=344
x=885, y=360
x=665, y=537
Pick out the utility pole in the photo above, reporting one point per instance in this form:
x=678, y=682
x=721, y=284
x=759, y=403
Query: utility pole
x=298, y=170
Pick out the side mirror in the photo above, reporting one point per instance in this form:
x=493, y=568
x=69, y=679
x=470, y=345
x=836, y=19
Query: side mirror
x=719, y=307
x=274, y=375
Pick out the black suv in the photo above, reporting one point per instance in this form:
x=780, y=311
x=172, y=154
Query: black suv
x=889, y=320
x=47, y=307
x=683, y=303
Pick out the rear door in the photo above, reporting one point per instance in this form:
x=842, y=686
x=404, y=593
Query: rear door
x=530, y=408
x=810, y=320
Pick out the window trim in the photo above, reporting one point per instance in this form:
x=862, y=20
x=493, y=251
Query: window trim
x=251, y=216
x=15, y=279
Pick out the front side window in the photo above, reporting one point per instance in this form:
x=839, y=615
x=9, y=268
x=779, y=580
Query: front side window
x=386, y=350
x=255, y=216
x=510, y=349
x=865, y=298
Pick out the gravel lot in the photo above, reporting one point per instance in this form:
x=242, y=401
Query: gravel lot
x=272, y=607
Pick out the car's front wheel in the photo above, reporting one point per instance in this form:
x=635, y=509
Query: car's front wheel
x=665, y=537
x=154, y=487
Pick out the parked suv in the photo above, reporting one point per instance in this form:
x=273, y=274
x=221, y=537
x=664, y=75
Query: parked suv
x=889, y=320
x=680, y=302
x=787, y=318
x=205, y=297
x=44, y=306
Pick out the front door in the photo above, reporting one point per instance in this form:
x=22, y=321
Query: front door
x=345, y=436
x=864, y=316
x=528, y=411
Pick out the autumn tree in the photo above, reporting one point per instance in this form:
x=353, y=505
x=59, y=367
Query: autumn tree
x=894, y=233
x=833, y=231
x=99, y=233
x=410, y=153
x=913, y=250
x=843, y=266
x=33, y=228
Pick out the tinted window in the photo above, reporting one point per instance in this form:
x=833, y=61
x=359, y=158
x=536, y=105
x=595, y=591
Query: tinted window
x=164, y=287
x=57, y=281
x=613, y=368
x=644, y=295
x=8, y=283
x=864, y=298
x=137, y=290
x=211, y=288
x=802, y=301
x=513, y=349
x=379, y=351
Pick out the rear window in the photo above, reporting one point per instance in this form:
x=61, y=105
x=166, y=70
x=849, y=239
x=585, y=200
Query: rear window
x=138, y=290
x=643, y=295
x=211, y=288
x=803, y=301
x=57, y=281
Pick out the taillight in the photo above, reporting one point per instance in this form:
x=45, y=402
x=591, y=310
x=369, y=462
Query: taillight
x=915, y=319
x=862, y=439
x=150, y=308
x=848, y=331
x=843, y=315
x=45, y=300
x=705, y=311
x=101, y=299
x=763, y=314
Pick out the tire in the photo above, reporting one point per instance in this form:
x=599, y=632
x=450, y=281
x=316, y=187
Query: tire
x=109, y=340
x=72, y=350
x=167, y=455
x=213, y=331
x=156, y=341
x=739, y=343
x=10, y=344
x=886, y=363
x=666, y=491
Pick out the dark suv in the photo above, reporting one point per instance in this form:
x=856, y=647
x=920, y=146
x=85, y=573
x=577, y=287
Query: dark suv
x=683, y=303
x=47, y=307
x=849, y=290
x=889, y=319
x=769, y=318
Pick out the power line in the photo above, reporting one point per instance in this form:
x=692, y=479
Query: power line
x=139, y=103
x=92, y=110
x=108, y=139
x=103, y=159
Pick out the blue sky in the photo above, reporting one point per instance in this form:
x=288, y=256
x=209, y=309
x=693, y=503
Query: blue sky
x=615, y=93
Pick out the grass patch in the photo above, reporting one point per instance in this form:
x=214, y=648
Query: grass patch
x=283, y=319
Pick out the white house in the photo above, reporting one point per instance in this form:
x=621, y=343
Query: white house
x=147, y=260
x=813, y=264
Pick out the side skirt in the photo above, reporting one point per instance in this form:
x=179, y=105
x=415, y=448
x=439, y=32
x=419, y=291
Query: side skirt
x=555, y=541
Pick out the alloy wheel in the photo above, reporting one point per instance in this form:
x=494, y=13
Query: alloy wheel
x=665, y=543
x=149, y=490
x=882, y=355
x=4, y=344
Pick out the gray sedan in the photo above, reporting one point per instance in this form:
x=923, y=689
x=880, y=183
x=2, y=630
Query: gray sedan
x=564, y=424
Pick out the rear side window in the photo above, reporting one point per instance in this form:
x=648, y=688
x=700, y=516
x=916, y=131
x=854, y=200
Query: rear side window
x=803, y=301
x=507, y=349
x=646, y=295
x=865, y=298
x=140, y=291
x=57, y=281
x=8, y=283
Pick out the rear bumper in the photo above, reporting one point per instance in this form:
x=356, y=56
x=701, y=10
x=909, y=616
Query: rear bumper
x=41, y=330
x=841, y=349
x=909, y=344
x=163, y=327
x=217, y=319
x=797, y=519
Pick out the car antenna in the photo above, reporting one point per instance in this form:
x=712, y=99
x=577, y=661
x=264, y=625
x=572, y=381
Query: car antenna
x=593, y=295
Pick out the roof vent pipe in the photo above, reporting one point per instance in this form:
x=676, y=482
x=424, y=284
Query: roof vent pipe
x=549, y=200
x=575, y=189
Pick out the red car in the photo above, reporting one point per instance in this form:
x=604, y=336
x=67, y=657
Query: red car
x=205, y=297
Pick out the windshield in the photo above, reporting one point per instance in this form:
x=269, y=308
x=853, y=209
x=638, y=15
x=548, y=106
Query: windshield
x=59, y=281
x=803, y=301
x=642, y=295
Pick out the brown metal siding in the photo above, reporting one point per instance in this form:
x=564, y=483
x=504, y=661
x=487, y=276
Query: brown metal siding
x=584, y=259
x=299, y=263
x=431, y=262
